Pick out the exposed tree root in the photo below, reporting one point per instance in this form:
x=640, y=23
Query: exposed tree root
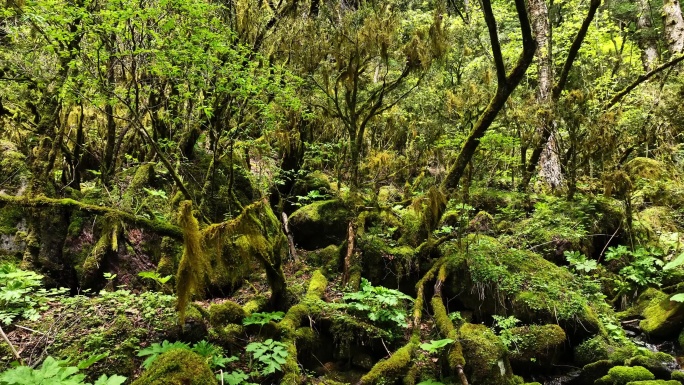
x=446, y=327
x=393, y=366
x=289, y=324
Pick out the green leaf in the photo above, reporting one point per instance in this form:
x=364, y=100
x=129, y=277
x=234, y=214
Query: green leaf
x=113, y=380
x=675, y=262
x=677, y=297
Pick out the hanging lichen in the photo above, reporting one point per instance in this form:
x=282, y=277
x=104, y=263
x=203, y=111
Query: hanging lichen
x=193, y=266
x=255, y=233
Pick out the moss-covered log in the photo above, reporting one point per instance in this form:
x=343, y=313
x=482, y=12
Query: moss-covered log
x=157, y=226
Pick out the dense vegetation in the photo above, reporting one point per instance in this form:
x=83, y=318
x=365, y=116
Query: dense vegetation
x=385, y=192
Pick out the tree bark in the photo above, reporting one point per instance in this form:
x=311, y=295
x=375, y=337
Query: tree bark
x=556, y=92
x=549, y=162
x=646, y=38
x=505, y=86
x=673, y=26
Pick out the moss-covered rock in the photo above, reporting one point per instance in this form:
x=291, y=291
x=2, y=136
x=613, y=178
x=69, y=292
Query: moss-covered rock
x=384, y=264
x=654, y=382
x=537, y=346
x=621, y=375
x=678, y=375
x=320, y=224
x=485, y=355
x=312, y=181
x=594, y=371
x=327, y=258
x=221, y=314
x=488, y=276
x=662, y=318
x=591, y=350
x=660, y=364
x=177, y=367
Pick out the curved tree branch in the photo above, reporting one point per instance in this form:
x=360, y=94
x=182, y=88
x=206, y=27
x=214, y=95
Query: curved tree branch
x=505, y=86
x=642, y=78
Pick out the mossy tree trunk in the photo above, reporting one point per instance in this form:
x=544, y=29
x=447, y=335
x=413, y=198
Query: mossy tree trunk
x=505, y=86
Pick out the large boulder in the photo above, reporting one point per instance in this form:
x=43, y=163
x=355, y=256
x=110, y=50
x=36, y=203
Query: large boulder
x=489, y=277
x=320, y=224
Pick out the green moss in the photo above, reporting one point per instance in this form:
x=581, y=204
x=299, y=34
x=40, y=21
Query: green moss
x=306, y=338
x=537, y=288
x=228, y=335
x=646, y=168
x=621, y=375
x=317, y=285
x=225, y=313
x=10, y=216
x=539, y=344
x=594, y=349
x=393, y=367
x=658, y=363
x=678, y=375
x=254, y=305
x=327, y=258
x=320, y=224
x=447, y=329
x=662, y=317
x=654, y=382
x=379, y=258
x=485, y=354
x=314, y=180
x=178, y=367
x=594, y=371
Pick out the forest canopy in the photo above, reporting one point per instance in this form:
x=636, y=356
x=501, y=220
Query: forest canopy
x=367, y=192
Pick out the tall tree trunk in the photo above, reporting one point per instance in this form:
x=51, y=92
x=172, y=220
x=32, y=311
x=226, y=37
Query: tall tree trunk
x=547, y=140
x=674, y=25
x=549, y=162
x=646, y=37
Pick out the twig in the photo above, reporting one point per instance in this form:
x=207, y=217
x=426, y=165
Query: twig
x=387, y=350
x=4, y=337
x=608, y=243
x=29, y=329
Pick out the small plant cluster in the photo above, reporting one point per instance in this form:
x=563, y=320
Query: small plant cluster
x=262, y=319
x=267, y=358
x=21, y=295
x=210, y=352
x=270, y=355
x=643, y=267
x=504, y=325
x=54, y=372
x=379, y=304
